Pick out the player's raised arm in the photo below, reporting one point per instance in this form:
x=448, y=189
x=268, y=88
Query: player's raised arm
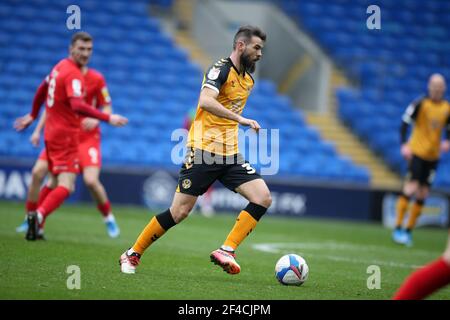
x=80, y=106
x=104, y=102
x=39, y=98
x=208, y=101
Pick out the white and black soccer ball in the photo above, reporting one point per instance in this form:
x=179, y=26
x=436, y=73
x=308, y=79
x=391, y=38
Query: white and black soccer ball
x=291, y=270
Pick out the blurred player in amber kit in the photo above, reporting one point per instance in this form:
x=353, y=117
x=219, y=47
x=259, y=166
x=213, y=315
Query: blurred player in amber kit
x=89, y=152
x=65, y=90
x=213, y=154
x=431, y=116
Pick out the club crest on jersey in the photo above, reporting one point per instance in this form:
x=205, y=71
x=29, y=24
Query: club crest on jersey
x=186, y=184
x=213, y=74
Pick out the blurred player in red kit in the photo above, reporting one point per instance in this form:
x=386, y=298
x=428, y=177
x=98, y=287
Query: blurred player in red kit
x=64, y=90
x=98, y=96
x=428, y=279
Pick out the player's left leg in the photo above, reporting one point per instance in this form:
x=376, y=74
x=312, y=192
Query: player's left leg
x=38, y=174
x=91, y=177
x=65, y=186
x=257, y=193
x=427, y=279
x=416, y=210
x=425, y=178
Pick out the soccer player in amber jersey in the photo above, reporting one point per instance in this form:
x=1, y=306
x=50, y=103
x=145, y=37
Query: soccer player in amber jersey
x=431, y=116
x=65, y=91
x=98, y=96
x=213, y=154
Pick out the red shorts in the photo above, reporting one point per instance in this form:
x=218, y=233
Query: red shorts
x=43, y=155
x=90, y=152
x=62, y=156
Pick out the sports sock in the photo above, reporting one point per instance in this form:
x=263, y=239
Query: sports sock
x=54, y=199
x=157, y=226
x=416, y=210
x=245, y=223
x=424, y=281
x=402, y=207
x=105, y=208
x=31, y=206
x=43, y=194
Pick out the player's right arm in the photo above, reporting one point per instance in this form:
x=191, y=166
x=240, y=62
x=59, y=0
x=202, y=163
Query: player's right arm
x=408, y=118
x=208, y=101
x=74, y=89
x=214, y=78
x=38, y=100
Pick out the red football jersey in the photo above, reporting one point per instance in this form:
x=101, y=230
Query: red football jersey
x=64, y=82
x=97, y=95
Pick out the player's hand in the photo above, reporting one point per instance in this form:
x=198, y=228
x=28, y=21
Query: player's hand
x=445, y=146
x=89, y=124
x=117, y=120
x=23, y=122
x=249, y=122
x=406, y=152
x=35, y=138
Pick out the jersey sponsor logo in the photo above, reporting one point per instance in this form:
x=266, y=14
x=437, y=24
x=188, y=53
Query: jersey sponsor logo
x=213, y=74
x=76, y=86
x=186, y=184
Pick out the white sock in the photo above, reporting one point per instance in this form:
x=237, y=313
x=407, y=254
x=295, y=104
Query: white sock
x=130, y=251
x=227, y=248
x=109, y=218
x=40, y=217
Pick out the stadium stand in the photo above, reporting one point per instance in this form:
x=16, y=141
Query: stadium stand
x=151, y=81
x=391, y=65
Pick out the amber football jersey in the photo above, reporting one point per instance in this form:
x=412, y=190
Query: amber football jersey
x=431, y=118
x=215, y=134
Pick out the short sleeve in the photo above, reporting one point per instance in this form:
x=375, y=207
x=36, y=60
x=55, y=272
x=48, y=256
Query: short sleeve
x=74, y=85
x=216, y=75
x=412, y=111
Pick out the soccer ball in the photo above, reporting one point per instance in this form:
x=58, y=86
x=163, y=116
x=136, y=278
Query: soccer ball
x=291, y=270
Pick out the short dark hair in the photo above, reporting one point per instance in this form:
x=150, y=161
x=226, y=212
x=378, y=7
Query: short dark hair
x=83, y=36
x=247, y=32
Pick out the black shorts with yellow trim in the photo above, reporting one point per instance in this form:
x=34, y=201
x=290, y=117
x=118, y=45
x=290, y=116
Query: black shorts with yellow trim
x=201, y=169
x=421, y=170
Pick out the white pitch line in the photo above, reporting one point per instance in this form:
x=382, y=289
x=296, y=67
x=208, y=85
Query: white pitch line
x=282, y=247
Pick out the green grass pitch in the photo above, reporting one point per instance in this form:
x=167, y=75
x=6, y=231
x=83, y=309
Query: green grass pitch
x=177, y=266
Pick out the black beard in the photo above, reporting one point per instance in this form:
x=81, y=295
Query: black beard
x=249, y=66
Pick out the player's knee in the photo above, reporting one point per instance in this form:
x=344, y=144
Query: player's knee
x=446, y=256
x=263, y=199
x=71, y=188
x=181, y=212
x=422, y=194
x=90, y=182
x=38, y=174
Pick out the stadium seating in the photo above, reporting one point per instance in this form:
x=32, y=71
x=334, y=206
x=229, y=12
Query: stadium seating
x=151, y=81
x=391, y=65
